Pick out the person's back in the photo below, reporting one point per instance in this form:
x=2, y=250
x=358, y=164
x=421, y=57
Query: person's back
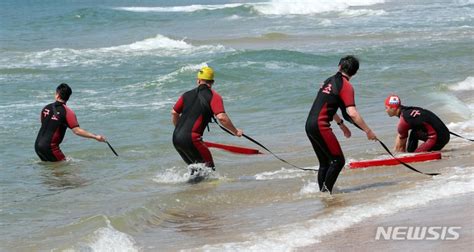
x=426, y=125
x=196, y=114
x=192, y=113
x=336, y=92
x=420, y=118
x=55, y=119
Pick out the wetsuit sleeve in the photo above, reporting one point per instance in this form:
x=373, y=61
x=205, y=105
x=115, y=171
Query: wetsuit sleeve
x=178, y=106
x=347, y=94
x=403, y=128
x=217, y=104
x=71, y=119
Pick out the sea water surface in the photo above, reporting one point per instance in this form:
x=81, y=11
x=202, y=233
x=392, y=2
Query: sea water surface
x=128, y=62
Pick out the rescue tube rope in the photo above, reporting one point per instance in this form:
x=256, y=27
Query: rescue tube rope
x=261, y=145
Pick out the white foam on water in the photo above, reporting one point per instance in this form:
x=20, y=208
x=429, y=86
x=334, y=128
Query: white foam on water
x=109, y=239
x=172, y=175
x=465, y=85
x=309, y=188
x=325, y=22
x=283, y=173
x=157, y=42
x=272, y=65
x=454, y=182
x=176, y=175
x=159, y=46
x=308, y=7
x=464, y=129
x=275, y=7
x=362, y=12
x=185, y=8
x=464, y=2
x=234, y=17
x=169, y=76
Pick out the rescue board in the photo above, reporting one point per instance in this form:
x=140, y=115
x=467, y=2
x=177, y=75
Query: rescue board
x=417, y=157
x=233, y=148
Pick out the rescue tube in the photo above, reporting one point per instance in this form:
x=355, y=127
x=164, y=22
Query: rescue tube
x=233, y=148
x=418, y=157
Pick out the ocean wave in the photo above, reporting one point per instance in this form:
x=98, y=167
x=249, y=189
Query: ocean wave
x=283, y=173
x=159, y=46
x=275, y=7
x=288, y=237
x=464, y=128
x=306, y=7
x=363, y=12
x=115, y=105
x=311, y=187
x=186, y=8
x=176, y=176
x=464, y=2
x=167, y=78
x=157, y=42
x=465, y=85
x=109, y=239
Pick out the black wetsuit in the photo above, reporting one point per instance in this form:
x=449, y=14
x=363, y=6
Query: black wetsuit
x=196, y=107
x=425, y=126
x=55, y=119
x=336, y=92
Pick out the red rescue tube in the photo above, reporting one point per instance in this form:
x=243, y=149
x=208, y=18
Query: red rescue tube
x=418, y=157
x=233, y=148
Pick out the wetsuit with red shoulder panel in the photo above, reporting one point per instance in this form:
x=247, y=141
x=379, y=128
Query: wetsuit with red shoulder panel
x=336, y=92
x=55, y=119
x=424, y=126
x=196, y=108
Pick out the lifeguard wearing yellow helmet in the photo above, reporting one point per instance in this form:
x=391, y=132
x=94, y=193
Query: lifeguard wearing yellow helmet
x=206, y=73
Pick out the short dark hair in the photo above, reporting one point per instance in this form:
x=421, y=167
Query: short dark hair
x=349, y=65
x=64, y=91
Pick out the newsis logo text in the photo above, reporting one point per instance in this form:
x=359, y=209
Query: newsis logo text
x=413, y=233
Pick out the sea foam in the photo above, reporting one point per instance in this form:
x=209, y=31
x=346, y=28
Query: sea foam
x=185, y=8
x=108, y=239
x=159, y=46
x=289, y=237
x=283, y=173
x=275, y=7
x=465, y=85
x=305, y=7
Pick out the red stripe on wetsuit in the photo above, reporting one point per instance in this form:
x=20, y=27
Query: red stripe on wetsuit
x=199, y=125
x=329, y=108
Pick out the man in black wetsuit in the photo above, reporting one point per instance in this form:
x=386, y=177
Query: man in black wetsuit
x=192, y=113
x=424, y=126
x=55, y=119
x=336, y=92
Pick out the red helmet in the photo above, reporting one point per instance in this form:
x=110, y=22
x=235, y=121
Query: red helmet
x=393, y=101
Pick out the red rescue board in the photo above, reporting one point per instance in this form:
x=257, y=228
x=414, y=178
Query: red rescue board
x=233, y=148
x=418, y=157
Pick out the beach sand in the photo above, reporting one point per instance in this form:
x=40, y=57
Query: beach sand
x=452, y=212
x=457, y=211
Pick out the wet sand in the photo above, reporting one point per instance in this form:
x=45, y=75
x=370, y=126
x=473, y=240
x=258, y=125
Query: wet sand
x=457, y=211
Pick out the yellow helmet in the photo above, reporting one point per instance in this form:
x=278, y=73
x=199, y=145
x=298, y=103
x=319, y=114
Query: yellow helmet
x=206, y=73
